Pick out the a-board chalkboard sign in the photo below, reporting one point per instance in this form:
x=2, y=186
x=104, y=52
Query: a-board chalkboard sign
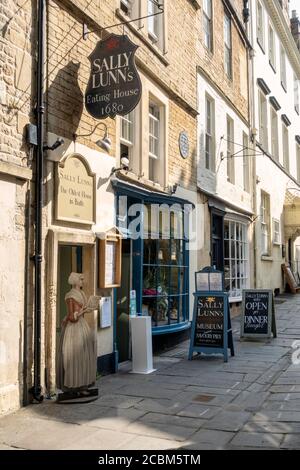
x=258, y=316
x=209, y=333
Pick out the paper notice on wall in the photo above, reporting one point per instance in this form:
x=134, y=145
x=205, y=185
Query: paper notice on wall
x=105, y=312
x=110, y=263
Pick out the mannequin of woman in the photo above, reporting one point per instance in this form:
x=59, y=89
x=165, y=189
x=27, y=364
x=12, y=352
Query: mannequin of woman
x=77, y=355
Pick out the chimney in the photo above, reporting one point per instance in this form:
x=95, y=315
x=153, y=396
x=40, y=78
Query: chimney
x=295, y=28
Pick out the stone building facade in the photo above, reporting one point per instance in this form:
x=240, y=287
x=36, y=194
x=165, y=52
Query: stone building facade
x=166, y=63
x=16, y=110
x=224, y=165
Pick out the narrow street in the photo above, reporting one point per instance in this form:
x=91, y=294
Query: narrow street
x=252, y=402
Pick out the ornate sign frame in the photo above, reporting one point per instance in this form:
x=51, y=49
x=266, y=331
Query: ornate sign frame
x=61, y=165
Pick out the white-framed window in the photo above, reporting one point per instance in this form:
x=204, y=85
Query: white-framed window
x=276, y=232
x=296, y=93
x=263, y=120
x=283, y=68
x=208, y=24
x=298, y=162
x=265, y=224
x=285, y=147
x=227, y=45
x=230, y=150
x=274, y=134
x=236, y=259
x=209, y=133
x=272, y=47
x=260, y=25
x=155, y=23
x=127, y=136
x=154, y=141
x=246, y=163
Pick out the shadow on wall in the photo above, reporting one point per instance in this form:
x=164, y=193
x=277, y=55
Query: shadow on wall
x=64, y=102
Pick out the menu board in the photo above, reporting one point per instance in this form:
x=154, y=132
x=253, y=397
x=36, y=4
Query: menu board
x=110, y=256
x=209, y=323
x=257, y=313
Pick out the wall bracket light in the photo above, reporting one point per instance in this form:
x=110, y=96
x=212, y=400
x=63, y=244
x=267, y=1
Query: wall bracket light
x=104, y=144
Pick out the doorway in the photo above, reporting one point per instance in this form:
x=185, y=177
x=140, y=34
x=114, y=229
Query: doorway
x=123, y=303
x=217, y=258
x=69, y=260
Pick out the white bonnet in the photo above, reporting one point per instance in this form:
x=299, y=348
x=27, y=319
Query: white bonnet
x=74, y=278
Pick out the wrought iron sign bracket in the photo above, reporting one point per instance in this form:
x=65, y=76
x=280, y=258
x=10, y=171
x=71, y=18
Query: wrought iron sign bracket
x=86, y=32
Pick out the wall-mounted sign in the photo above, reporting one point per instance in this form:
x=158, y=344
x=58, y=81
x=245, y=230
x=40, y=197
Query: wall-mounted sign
x=183, y=144
x=258, y=314
x=75, y=190
x=114, y=87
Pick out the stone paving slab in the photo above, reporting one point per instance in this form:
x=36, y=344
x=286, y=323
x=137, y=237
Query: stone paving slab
x=257, y=440
x=228, y=421
x=149, y=443
x=200, y=411
x=291, y=441
x=98, y=440
x=250, y=401
x=164, y=406
x=115, y=419
x=284, y=396
x=172, y=420
x=280, y=416
x=210, y=439
x=272, y=427
x=162, y=431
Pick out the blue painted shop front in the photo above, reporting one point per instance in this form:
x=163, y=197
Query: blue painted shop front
x=155, y=261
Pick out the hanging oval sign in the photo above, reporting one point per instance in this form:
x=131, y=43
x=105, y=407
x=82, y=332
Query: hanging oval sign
x=114, y=87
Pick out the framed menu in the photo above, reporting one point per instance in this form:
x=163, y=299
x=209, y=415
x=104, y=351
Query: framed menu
x=110, y=251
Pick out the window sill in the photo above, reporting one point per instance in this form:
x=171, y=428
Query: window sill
x=284, y=87
x=261, y=46
x=134, y=28
x=267, y=258
x=272, y=67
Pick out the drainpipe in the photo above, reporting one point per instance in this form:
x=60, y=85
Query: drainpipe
x=38, y=257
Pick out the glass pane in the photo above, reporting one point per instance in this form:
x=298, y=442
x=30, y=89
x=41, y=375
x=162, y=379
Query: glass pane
x=175, y=252
x=226, y=248
x=149, y=307
x=174, y=281
x=226, y=230
x=150, y=251
x=163, y=254
x=149, y=280
x=162, y=310
x=163, y=281
x=174, y=309
x=183, y=284
x=232, y=250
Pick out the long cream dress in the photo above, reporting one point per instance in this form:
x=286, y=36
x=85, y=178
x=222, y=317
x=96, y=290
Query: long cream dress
x=77, y=355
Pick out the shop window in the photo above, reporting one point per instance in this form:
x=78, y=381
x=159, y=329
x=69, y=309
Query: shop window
x=165, y=268
x=207, y=24
x=236, y=258
x=265, y=224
